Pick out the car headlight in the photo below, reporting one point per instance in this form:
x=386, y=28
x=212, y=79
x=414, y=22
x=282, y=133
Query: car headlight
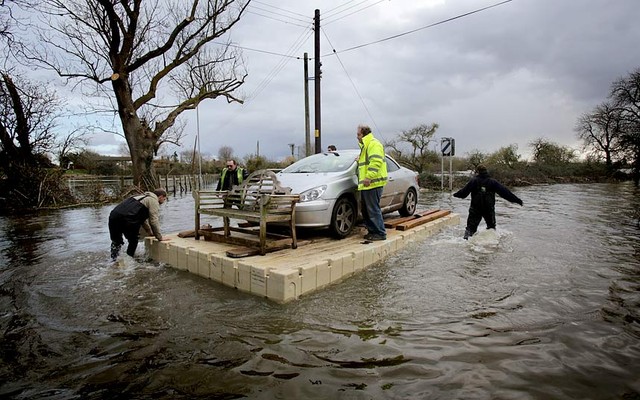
x=313, y=194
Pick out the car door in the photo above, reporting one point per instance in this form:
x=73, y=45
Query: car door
x=393, y=191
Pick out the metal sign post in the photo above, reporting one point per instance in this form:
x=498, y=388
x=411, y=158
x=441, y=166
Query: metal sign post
x=442, y=167
x=448, y=148
x=453, y=153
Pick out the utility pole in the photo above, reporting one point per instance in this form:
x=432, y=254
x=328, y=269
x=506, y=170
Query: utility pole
x=316, y=79
x=199, y=153
x=307, y=128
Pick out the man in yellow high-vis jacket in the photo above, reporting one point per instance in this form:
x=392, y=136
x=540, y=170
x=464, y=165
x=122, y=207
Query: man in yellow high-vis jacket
x=231, y=175
x=372, y=176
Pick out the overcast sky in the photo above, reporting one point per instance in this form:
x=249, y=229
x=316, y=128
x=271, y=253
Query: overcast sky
x=510, y=74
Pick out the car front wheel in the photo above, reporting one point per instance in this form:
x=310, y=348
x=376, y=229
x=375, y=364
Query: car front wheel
x=410, y=203
x=343, y=218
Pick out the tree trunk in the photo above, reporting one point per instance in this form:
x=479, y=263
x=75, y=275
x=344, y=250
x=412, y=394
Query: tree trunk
x=141, y=139
x=142, y=143
x=635, y=171
x=142, y=159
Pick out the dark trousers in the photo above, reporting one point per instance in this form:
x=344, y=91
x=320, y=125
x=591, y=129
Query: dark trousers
x=371, y=212
x=476, y=215
x=117, y=228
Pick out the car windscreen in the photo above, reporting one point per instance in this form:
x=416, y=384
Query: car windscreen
x=324, y=162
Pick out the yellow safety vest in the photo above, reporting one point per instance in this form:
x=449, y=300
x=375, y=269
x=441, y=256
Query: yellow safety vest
x=239, y=171
x=371, y=163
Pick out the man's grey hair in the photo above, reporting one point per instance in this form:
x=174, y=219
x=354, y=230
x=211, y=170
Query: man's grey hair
x=364, y=129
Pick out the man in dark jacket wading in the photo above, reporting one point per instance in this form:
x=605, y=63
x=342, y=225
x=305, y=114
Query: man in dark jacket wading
x=128, y=217
x=483, y=191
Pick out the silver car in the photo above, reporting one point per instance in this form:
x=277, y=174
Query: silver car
x=328, y=183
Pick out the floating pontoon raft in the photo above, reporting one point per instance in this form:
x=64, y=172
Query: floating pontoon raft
x=286, y=274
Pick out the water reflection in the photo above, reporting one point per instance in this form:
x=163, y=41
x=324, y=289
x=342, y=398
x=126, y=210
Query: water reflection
x=548, y=310
x=18, y=245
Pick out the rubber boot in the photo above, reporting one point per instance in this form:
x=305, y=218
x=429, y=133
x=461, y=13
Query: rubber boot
x=115, y=250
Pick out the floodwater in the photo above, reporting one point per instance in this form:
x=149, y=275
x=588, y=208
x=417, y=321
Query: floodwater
x=549, y=308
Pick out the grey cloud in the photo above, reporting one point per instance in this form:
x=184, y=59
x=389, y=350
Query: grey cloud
x=507, y=75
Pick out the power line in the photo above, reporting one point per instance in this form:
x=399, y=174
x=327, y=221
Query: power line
x=328, y=19
x=283, y=62
x=278, y=8
x=297, y=44
x=335, y=52
x=305, y=20
x=353, y=84
x=340, y=6
x=256, y=50
x=329, y=15
x=275, y=19
x=300, y=41
x=419, y=29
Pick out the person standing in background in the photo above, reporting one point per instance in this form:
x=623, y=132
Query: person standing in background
x=231, y=175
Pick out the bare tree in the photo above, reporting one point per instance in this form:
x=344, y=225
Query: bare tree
x=189, y=156
x=476, y=157
x=152, y=60
x=74, y=141
x=225, y=153
x=625, y=94
x=8, y=19
x=416, y=155
x=600, y=130
x=28, y=116
x=5, y=20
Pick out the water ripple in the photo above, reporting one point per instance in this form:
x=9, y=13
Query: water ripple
x=547, y=308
